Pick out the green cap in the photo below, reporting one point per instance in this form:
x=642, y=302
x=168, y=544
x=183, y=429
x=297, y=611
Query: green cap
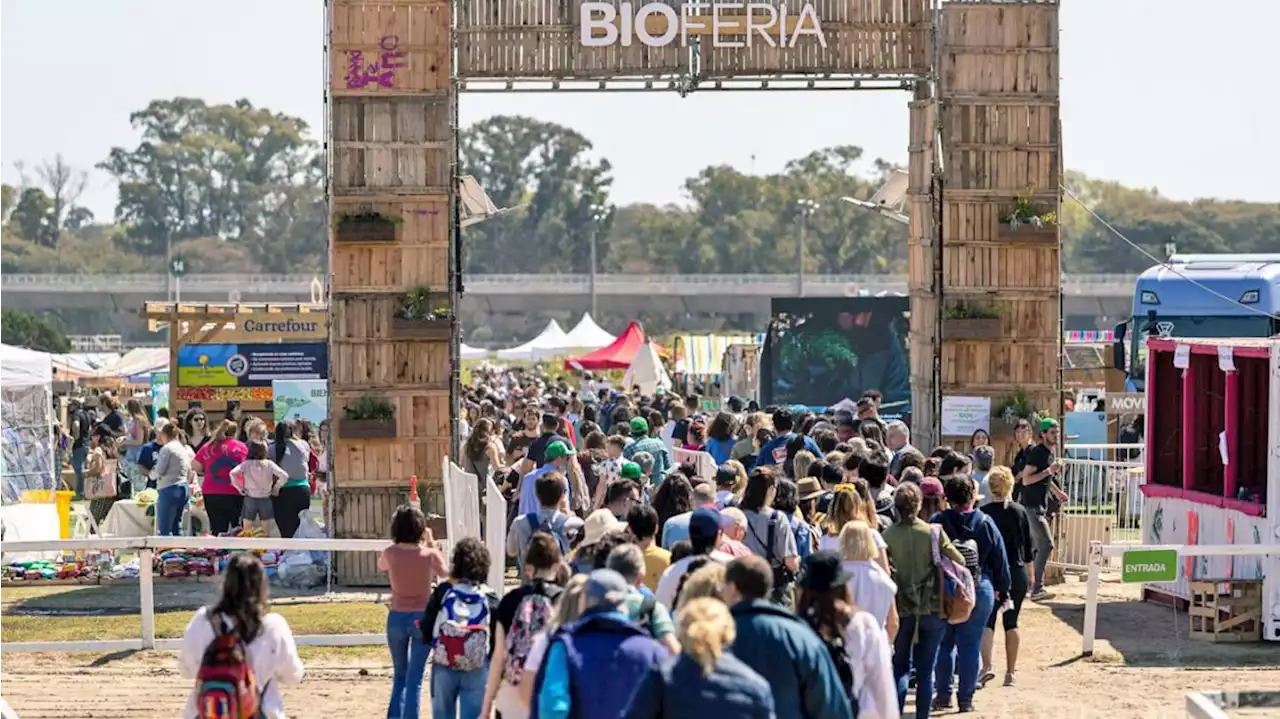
x=631, y=470
x=1047, y=423
x=639, y=426
x=558, y=449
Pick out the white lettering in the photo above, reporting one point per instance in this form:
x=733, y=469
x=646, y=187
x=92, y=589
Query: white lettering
x=588, y=23
x=729, y=25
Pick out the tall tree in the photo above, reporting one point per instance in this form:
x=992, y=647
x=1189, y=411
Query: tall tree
x=24, y=329
x=230, y=171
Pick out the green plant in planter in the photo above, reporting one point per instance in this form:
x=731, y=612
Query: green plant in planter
x=1025, y=213
x=369, y=408
x=366, y=213
x=1018, y=406
x=964, y=311
x=417, y=306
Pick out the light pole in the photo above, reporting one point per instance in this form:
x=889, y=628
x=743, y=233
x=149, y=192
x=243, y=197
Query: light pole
x=598, y=214
x=806, y=207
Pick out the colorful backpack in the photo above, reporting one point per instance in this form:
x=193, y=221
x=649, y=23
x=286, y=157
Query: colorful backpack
x=955, y=583
x=462, y=633
x=225, y=687
x=533, y=615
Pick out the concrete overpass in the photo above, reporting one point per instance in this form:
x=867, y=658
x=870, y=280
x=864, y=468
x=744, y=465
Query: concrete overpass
x=1092, y=301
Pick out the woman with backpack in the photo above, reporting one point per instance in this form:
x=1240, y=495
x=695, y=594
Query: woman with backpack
x=235, y=640
x=461, y=620
x=412, y=564
x=978, y=539
x=521, y=615
x=855, y=639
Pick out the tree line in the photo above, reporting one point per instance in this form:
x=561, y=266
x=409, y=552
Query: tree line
x=238, y=188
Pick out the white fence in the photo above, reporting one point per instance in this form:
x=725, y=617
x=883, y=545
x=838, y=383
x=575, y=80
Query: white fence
x=1103, y=486
x=1099, y=552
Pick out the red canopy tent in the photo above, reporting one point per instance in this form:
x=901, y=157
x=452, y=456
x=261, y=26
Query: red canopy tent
x=618, y=355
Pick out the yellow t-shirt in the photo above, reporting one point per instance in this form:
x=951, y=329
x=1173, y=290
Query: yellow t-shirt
x=656, y=561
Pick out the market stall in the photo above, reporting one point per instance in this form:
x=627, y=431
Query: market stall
x=551, y=342
x=27, y=459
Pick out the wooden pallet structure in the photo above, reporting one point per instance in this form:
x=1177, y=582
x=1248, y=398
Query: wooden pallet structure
x=392, y=115
x=1225, y=610
x=986, y=295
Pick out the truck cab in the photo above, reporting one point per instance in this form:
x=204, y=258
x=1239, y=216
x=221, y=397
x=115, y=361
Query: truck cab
x=1205, y=296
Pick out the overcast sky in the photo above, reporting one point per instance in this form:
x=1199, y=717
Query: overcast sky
x=1171, y=94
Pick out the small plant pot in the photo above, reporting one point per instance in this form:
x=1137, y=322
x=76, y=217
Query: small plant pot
x=403, y=328
x=971, y=328
x=367, y=428
x=365, y=229
x=1028, y=234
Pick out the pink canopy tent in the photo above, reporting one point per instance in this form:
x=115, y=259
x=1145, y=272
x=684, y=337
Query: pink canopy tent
x=617, y=355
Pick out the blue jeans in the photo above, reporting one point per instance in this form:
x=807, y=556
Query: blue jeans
x=78, y=457
x=965, y=640
x=409, y=659
x=170, y=503
x=455, y=694
x=917, y=642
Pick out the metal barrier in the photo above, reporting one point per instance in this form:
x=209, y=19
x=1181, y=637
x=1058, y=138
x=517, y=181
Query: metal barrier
x=1104, y=504
x=1210, y=705
x=147, y=547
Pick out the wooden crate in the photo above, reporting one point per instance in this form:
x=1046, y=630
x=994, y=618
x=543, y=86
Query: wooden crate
x=365, y=513
x=1225, y=610
x=971, y=328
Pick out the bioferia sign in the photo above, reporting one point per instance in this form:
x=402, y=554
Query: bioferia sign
x=728, y=25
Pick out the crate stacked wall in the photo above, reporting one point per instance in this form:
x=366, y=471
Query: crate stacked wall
x=1000, y=138
x=391, y=114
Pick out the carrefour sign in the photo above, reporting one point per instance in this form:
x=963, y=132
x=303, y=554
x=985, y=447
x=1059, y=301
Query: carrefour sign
x=727, y=25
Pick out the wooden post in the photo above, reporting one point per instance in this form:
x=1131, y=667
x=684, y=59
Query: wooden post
x=1001, y=140
x=392, y=115
x=922, y=267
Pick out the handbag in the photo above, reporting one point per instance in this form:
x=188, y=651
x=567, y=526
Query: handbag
x=102, y=486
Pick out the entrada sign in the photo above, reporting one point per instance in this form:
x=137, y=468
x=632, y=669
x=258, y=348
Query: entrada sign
x=730, y=25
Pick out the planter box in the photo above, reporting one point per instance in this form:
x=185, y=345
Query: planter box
x=1026, y=233
x=971, y=328
x=402, y=328
x=367, y=428
x=365, y=230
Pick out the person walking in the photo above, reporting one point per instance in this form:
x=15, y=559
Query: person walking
x=769, y=532
x=78, y=429
x=242, y=610
x=412, y=565
x=173, y=476
x=919, y=599
x=1015, y=527
x=704, y=679
x=977, y=535
x=461, y=620
x=215, y=460
x=592, y=666
x=294, y=496
x=781, y=647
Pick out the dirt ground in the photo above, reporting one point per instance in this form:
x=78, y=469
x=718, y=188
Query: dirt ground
x=1142, y=668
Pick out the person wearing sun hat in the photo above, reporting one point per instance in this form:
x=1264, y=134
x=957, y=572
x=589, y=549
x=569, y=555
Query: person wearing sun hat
x=662, y=459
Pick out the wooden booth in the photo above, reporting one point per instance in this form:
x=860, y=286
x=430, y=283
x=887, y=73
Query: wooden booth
x=393, y=196
x=224, y=352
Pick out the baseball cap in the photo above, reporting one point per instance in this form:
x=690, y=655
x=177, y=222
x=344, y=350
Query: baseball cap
x=559, y=449
x=631, y=470
x=639, y=426
x=607, y=587
x=705, y=523
x=931, y=487
x=1047, y=423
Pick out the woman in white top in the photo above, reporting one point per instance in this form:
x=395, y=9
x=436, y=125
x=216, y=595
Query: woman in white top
x=870, y=586
x=268, y=642
x=849, y=632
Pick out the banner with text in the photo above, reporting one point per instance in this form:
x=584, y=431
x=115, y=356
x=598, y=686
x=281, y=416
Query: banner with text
x=251, y=365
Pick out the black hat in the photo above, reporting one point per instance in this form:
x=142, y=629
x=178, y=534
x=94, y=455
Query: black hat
x=823, y=570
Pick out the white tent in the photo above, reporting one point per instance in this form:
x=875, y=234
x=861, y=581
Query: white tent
x=552, y=342
x=26, y=421
x=587, y=335
x=470, y=353
x=647, y=371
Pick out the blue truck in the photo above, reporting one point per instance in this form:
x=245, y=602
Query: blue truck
x=1199, y=296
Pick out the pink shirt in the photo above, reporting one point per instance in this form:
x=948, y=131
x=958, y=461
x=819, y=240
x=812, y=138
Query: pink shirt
x=219, y=457
x=412, y=571
x=734, y=548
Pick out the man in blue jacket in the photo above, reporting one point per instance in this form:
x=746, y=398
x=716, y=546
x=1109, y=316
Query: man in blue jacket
x=594, y=664
x=782, y=647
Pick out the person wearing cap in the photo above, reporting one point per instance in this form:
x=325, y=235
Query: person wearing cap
x=593, y=665
x=934, y=499
x=1037, y=480
x=854, y=638
x=559, y=457
x=662, y=460
x=705, y=535
x=676, y=527
x=781, y=646
x=984, y=458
